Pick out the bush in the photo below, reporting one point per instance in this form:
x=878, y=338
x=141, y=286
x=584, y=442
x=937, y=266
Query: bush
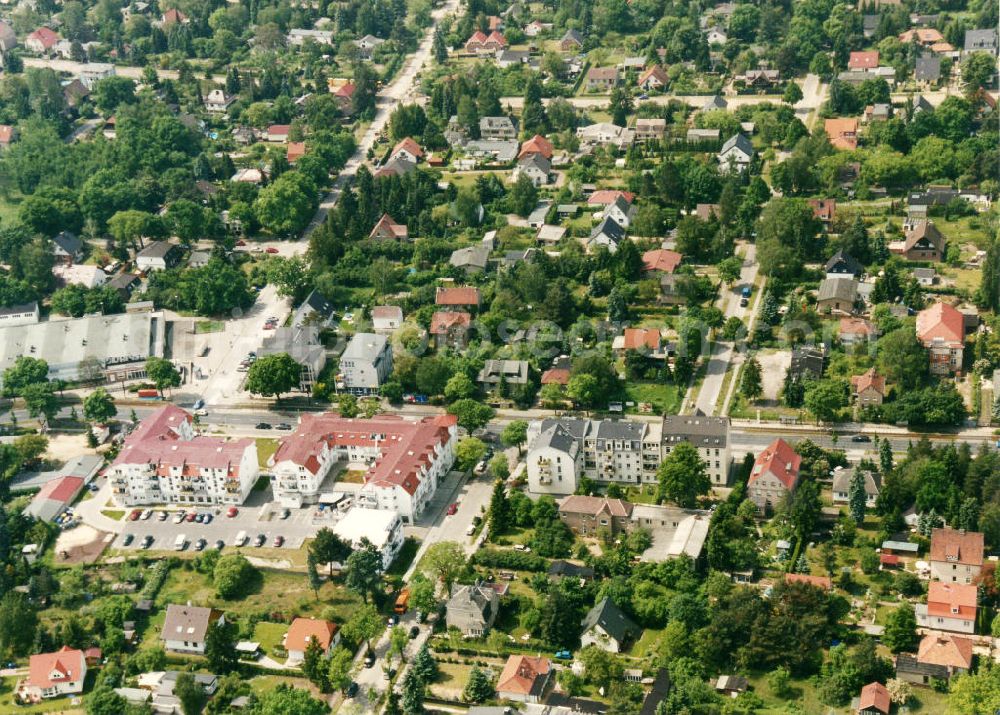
x=515, y=560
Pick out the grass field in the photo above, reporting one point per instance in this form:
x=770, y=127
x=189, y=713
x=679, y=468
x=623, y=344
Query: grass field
x=269, y=635
x=209, y=326
x=666, y=399
x=115, y=514
x=266, y=446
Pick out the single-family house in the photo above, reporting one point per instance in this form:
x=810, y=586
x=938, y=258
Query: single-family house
x=874, y=700
x=41, y=41
x=458, y=297
x=607, y=233
x=408, y=149
x=620, y=211
x=472, y=609
x=939, y=657
x=386, y=229
x=842, y=133
x=855, y=331
x=650, y=129
x=304, y=631
x=497, y=128
x=185, y=627
x=775, y=473
x=602, y=79
x=158, y=256
x=607, y=627
x=837, y=296
x=471, y=259
x=586, y=515
x=949, y=607
x=700, y=136
x=524, y=679
x=825, y=210
x=868, y=389
x=218, y=101
x=736, y=154
x=923, y=36
x=862, y=61
x=605, y=134
x=343, y=95
x=386, y=318
x=536, y=145
x=660, y=260
x=842, y=479
x=807, y=362
x=67, y=247
x=571, y=41
x=927, y=71
x=941, y=329
x=52, y=675
x=535, y=167
x=497, y=372
x=642, y=340
x=921, y=241
x=731, y=685
x=981, y=41
x=843, y=264
x=653, y=79
x=760, y=79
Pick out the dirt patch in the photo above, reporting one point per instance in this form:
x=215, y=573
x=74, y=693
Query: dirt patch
x=63, y=447
x=82, y=545
x=773, y=365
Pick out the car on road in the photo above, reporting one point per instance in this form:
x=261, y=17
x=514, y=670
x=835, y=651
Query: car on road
x=271, y=249
x=128, y=539
x=744, y=302
x=200, y=544
x=219, y=544
x=414, y=632
x=232, y=511
x=453, y=509
x=861, y=438
x=278, y=541
x=201, y=413
x=259, y=541
x=283, y=426
x=351, y=690
x=198, y=405
x=146, y=513
x=93, y=487
x=263, y=425
x=147, y=541
x=370, y=659
x=134, y=515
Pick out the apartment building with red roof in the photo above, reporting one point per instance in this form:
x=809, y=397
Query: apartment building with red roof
x=775, y=473
x=163, y=461
x=949, y=607
x=402, y=460
x=956, y=555
x=52, y=675
x=941, y=329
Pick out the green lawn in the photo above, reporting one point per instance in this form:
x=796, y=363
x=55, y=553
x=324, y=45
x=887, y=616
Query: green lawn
x=209, y=326
x=666, y=399
x=266, y=446
x=269, y=635
x=115, y=514
x=7, y=704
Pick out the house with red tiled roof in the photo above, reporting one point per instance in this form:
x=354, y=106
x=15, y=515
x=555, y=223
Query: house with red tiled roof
x=824, y=209
x=949, y=607
x=660, y=260
x=450, y=328
x=862, y=61
x=173, y=16
x=524, y=679
x=344, y=97
x=606, y=197
x=164, y=461
x=956, y=555
x=278, y=132
x=868, y=388
x=556, y=376
x=853, y=331
x=386, y=229
x=941, y=329
x=874, y=700
x=295, y=151
x=404, y=459
x=655, y=78
x=481, y=43
x=458, y=297
x=775, y=473
x=408, y=149
x=923, y=36
x=536, y=145
x=939, y=657
x=644, y=340
x=303, y=631
x=41, y=40
x=52, y=675
x=843, y=133
x=822, y=582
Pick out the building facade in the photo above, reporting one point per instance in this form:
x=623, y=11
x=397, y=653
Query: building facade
x=366, y=363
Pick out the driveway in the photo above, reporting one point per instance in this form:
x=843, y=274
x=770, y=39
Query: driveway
x=724, y=351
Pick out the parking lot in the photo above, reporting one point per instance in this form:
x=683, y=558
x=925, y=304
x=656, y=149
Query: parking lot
x=267, y=520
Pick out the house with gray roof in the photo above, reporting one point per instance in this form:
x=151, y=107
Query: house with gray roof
x=67, y=246
x=497, y=128
x=607, y=233
x=495, y=372
x=502, y=151
x=928, y=69
x=607, y=627
x=716, y=102
x=842, y=479
x=536, y=167
x=837, y=296
x=472, y=609
x=471, y=259
x=981, y=41
x=736, y=154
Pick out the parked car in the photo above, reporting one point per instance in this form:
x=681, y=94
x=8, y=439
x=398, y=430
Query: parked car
x=191, y=516
x=278, y=541
x=179, y=517
x=134, y=515
x=471, y=530
x=200, y=518
x=146, y=513
x=563, y=655
x=200, y=544
x=163, y=516
x=414, y=632
x=271, y=249
x=128, y=539
x=369, y=659
x=390, y=673
x=198, y=404
x=208, y=519
x=219, y=544
x=259, y=541
x=351, y=690
x=453, y=509
x=232, y=511
x=147, y=541
x=861, y=438
x=283, y=426
x=285, y=513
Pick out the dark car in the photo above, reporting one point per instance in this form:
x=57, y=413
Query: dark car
x=861, y=438
x=370, y=659
x=414, y=632
x=129, y=538
x=220, y=545
x=285, y=513
x=200, y=518
x=200, y=544
x=208, y=519
x=147, y=541
x=283, y=426
x=263, y=425
x=351, y=690
x=259, y=541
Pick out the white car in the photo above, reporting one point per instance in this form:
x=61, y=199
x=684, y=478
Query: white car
x=179, y=518
x=146, y=513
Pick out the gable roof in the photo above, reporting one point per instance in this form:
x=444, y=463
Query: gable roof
x=458, y=295
x=187, y=623
x=640, y=338
x=303, y=630
x=842, y=481
x=856, y=327
x=870, y=380
x=875, y=695
x=863, y=60
x=609, y=228
x=536, y=145
x=957, y=546
x=592, y=506
x=69, y=242
x=661, y=259
x=409, y=145
x=443, y=321
x=779, y=460
x=842, y=289
x=947, y=650
x=844, y=263
x=843, y=133
x=387, y=225
x=611, y=619
x=921, y=229
x=740, y=142
x=46, y=670
x=941, y=322
x=655, y=72
x=952, y=600
x=44, y=35
x=606, y=197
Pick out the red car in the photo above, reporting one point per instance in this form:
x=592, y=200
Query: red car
x=241, y=242
x=190, y=517
x=452, y=509
x=271, y=249
x=134, y=515
x=232, y=511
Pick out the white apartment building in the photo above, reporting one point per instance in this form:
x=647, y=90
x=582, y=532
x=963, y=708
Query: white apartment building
x=403, y=460
x=163, y=462
x=366, y=363
x=384, y=529
x=561, y=451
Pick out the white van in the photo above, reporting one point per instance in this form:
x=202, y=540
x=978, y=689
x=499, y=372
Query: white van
x=180, y=543
x=241, y=539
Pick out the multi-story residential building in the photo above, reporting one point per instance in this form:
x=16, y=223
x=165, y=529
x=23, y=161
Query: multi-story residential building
x=366, y=363
x=956, y=555
x=949, y=607
x=472, y=609
x=164, y=461
x=710, y=435
x=561, y=451
x=383, y=529
x=403, y=460
x=775, y=473
x=941, y=329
